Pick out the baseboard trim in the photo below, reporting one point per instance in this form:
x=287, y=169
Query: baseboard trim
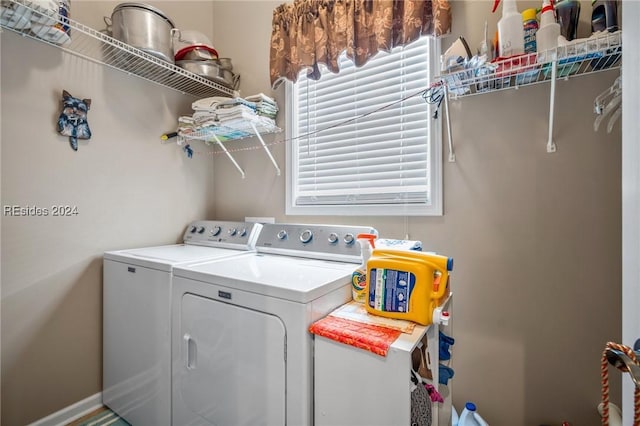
x=72, y=412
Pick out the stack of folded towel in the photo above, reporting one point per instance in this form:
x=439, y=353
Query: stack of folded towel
x=235, y=110
x=265, y=105
x=221, y=111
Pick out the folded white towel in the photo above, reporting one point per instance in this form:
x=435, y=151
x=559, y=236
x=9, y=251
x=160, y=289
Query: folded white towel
x=239, y=115
x=260, y=97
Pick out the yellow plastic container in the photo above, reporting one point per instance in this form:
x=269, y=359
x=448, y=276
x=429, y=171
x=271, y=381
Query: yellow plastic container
x=406, y=285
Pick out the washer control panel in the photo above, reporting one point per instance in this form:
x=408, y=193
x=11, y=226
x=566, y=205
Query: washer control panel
x=222, y=233
x=317, y=241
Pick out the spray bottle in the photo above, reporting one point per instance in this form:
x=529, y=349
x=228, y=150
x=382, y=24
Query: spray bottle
x=548, y=33
x=510, y=30
x=359, y=276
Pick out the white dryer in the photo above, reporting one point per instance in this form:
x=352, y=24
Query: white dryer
x=136, y=381
x=242, y=352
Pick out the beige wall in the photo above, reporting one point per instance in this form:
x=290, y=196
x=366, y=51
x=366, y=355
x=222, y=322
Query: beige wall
x=130, y=191
x=535, y=236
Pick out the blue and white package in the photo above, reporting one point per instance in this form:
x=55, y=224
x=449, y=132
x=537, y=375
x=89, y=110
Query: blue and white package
x=388, y=243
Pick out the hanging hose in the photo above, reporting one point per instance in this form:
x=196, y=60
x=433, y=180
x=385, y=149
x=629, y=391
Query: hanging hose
x=604, y=370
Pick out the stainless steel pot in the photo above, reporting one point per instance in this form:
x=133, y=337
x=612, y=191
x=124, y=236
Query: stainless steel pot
x=212, y=71
x=144, y=27
x=225, y=63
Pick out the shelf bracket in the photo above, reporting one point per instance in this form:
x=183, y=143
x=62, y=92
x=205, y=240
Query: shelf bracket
x=452, y=155
x=266, y=148
x=551, y=145
x=233, y=160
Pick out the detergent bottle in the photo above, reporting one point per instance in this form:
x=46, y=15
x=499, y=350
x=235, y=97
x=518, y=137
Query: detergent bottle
x=470, y=417
x=510, y=29
x=359, y=276
x=406, y=285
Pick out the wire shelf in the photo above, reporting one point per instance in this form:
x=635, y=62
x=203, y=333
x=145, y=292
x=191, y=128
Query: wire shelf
x=235, y=130
x=103, y=49
x=600, y=52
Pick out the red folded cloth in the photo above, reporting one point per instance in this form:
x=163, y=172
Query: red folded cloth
x=364, y=336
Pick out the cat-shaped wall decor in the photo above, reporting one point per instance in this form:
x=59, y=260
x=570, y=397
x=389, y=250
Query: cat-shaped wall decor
x=73, y=119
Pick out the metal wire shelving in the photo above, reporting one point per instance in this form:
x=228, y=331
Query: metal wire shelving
x=235, y=130
x=600, y=52
x=99, y=47
x=586, y=56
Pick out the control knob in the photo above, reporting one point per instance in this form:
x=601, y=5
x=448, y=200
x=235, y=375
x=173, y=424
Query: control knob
x=243, y=232
x=333, y=238
x=216, y=230
x=201, y=230
x=306, y=236
x=193, y=229
x=282, y=235
x=349, y=239
x=232, y=232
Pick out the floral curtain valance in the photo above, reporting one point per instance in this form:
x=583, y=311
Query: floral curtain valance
x=308, y=33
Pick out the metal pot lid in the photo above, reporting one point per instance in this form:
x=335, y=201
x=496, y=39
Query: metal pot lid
x=145, y=7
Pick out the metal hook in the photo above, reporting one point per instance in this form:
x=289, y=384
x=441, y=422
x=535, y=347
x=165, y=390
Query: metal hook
x=624, y=363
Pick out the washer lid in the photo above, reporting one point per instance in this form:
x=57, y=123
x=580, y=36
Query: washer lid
x=164, y=257
x=290, y=278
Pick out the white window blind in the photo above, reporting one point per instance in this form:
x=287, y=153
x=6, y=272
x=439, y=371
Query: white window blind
x=363, y=138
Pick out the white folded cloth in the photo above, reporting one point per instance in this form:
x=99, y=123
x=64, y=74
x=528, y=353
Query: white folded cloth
x=261, y=97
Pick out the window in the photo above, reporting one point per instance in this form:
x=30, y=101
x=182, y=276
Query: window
x=363, y=142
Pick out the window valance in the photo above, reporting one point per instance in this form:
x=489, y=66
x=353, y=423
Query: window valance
x=308, y=33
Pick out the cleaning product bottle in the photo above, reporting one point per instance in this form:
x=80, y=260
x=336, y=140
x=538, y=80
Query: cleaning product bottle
x=530, y=25
x=604, y=16
x=470, y=417
x=455, y=419
x=359, y=276
x=485, y=43
x=548, y=33
x=568, y=16
x=406, y=285
x=510, y=29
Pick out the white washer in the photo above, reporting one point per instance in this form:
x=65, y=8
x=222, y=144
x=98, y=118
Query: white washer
x=136, y=381
x=242, y=352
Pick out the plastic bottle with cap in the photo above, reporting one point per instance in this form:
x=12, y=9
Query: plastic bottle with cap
x=470, y=417
x=604, y=16
x=359, y=276
x=510, y=29
x=548, y=33
x=530, y=26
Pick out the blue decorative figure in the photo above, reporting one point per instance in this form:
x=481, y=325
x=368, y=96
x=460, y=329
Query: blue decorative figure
x=188, y=150
x=73, y=119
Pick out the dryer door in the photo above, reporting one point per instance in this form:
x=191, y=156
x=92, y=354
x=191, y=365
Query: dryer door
x=232, y=366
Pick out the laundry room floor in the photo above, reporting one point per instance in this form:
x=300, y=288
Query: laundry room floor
x=97, y=417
